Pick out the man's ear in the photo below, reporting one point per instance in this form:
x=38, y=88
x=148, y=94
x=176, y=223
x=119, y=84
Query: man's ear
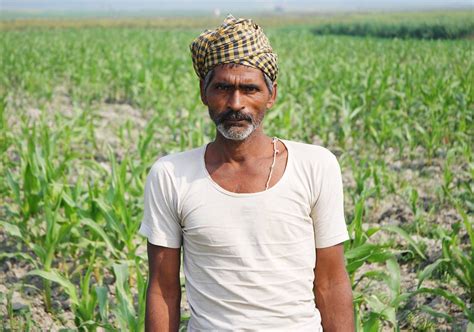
x=272, y=99
x=203, y=92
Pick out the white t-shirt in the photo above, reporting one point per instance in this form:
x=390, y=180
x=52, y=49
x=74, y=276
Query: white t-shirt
x=248, y=258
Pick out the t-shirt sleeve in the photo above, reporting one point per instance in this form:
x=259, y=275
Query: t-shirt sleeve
x=160, y=223
x=328, y=211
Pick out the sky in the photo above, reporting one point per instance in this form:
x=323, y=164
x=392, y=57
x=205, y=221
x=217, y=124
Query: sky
x=242, y=5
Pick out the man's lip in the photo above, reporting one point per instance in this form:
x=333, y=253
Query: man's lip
x=235, y=122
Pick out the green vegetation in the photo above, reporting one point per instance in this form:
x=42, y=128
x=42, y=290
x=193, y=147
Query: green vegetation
x=85, y=112
x=421, y=26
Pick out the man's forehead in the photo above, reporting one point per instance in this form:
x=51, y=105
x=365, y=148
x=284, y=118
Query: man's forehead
x=235, y=71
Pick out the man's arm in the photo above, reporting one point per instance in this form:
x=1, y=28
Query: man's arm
x=163, y=297
x=332, y=290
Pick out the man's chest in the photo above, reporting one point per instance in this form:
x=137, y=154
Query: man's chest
x=214, y=218
x=254, y=177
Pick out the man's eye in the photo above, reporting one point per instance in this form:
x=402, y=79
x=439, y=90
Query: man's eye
x=222, y=87
x=250, y=89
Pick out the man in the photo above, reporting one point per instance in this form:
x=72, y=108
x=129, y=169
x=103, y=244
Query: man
x=251, y=213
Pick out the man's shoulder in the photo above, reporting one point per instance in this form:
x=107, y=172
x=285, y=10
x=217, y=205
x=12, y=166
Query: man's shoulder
x=179, y=162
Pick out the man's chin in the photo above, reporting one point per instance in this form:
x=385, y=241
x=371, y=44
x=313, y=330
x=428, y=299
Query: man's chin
x=237, y=132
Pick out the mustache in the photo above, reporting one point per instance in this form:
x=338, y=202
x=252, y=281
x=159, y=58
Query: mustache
x=231, y=115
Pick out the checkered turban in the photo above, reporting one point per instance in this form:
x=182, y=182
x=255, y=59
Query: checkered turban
x=237, y=41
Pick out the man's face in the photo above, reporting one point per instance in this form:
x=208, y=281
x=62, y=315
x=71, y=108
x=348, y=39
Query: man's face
x=237, y=98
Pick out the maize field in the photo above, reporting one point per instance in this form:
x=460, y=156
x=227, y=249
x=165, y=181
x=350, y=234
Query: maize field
x=86, y=109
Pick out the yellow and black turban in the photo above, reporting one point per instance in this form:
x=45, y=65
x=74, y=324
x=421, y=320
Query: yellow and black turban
x=237, y=41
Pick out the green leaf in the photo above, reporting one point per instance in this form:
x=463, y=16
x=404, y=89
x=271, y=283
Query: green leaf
x=374, y=274
x=20, y=255
x=406, y=237
x=14, y=187
x=64, y=231
x=372, y=231
x=400, y=299
x=393, y=280
x=59, y=279
x=390, y=314
x=428, y=270
x=122, y=275
x=372, y=324
x=111, y=221
x=86, y=324
x=39, y=251
x=354, y=265
x=68, y=200
x=12, y=230
x=380, y=256
x=447, y=295
x=470, y=327
x=468, y=224
x=437, y=314
x=375, y=304
x=100, y=232
x=101, y=292
x=361, y=251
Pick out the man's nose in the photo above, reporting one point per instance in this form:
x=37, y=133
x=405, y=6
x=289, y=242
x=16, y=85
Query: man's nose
x=235, y=101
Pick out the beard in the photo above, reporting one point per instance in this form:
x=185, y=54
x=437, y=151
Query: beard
x=235, y=132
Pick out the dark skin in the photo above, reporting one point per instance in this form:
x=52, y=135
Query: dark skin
x=163, y=297
x=242, y=89
x=332, y=290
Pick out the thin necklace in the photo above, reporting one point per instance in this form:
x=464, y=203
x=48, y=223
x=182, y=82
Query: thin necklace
x=275, y=151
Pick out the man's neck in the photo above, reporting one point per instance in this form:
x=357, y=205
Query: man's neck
x=228, y=151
